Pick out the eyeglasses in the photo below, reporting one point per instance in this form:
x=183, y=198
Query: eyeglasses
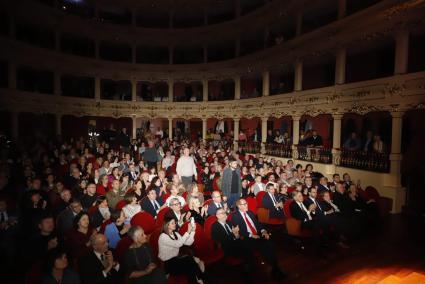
x=176, y=204
x=243, y=204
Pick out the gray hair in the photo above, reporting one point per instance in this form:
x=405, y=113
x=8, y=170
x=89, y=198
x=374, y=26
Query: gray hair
x=134, y=232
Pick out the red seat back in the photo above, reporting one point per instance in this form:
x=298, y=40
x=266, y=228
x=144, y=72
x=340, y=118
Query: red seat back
x=207, y=202
x=201, y=244
x=372, y=193
x=160, y=216
x=144, y=220
x=259, y=197
x=252, y=204
x=208, y=226
x=120, y=205
x=153, y=240
x=122, y=247
x=286, y=208
x=103, y=226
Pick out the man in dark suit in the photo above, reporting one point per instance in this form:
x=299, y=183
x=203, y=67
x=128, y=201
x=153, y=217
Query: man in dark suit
x=65, y=219
x=227, y=235
x=102, y=210
x=367, y=145
x=270, y=202
x=99, y=266
x=255, y=236
x=314, y=140
x=150, y=204
x=216, y=204
x=323, y=185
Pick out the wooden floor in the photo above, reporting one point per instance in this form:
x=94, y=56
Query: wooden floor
x=394, y=254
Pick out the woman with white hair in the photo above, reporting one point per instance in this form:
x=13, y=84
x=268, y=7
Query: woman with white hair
x=139, y=261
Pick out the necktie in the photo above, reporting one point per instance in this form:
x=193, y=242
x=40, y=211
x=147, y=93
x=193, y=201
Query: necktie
x=228, y=231
x=155, y=206
x=317, y=204
x=250, y=226
x=305, y=210
x=103, y=259
x=274, y=199
x=218, y=205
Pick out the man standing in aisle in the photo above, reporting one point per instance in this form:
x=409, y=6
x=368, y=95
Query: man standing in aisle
x=231, y=185
x=186, y=168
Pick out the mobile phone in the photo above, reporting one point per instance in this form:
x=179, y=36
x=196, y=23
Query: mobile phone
x=192, y=221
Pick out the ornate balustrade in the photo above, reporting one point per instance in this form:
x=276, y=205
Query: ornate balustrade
x=368, y=161
x=250, y=146
x=313, y=154
x=279, y=150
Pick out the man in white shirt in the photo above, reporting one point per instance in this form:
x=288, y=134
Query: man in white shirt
x=186, y=168
x=168, y=160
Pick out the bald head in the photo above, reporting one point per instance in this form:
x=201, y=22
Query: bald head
x=99, y=243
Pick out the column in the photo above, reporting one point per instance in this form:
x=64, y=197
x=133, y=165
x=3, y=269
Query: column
x=392, y=181
x=205, y=90
x=134, y=124
x=236, y=133
x=170, y=128
x=12, y=75
x=57, y=84
x=340, y=66
x=266, y=83
x=298, y=69
x=15, y=125
x=298, y=23
x=58, y=124
x=342, y=8
x=263, y=134
x=401, y=52
x=204, y=129
x=238, y=88
x=295, y=135
x=134, y=90
x=97, y=88
x=170, y=89
x=336, y=140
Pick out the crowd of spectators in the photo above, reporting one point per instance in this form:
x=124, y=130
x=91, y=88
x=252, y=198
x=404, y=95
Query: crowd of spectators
x=67, y=207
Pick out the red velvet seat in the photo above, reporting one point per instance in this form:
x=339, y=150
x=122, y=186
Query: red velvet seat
x=203, y=247
x=165, y=196
x=160, y=216
x=103, y=226
x=144, y=220
x=260, y=196
x=293, y=226
x=252, y=204
x=384, y=204
x=208, y=226
x=120, y=205
x=122, y=247
x=207, y=202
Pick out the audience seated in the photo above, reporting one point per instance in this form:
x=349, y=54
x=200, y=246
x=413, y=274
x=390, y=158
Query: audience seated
x=89, y=188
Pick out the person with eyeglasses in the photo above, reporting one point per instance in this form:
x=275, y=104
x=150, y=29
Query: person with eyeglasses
x=255, y=236
x=176, y=214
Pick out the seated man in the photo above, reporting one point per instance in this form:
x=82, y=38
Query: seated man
x=227, y=235
x=176, y=214
x=150, y=204
x=255, y=236
x=216, y=204
x=101, y=214
x=270, y=202
x=98, y=266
